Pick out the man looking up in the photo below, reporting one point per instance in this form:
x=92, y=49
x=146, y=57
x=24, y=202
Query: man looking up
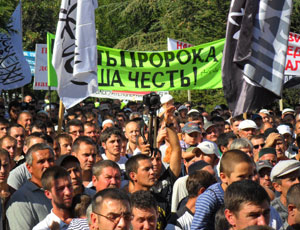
x=84, y=148
x=29, y=205
x=58, y=189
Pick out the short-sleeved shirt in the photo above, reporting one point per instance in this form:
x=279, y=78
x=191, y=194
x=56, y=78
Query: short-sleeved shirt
x=27, y=207
x=48, y=221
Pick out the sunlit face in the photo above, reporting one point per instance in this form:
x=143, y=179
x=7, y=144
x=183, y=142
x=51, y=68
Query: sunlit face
x=62, y=193
x=248, y=215
x=242, y=171
x=144, y=219
x=4, y=168
x=132, y=130
x=113, y=145
x=74, y=171
x=19, y=134
x=25, y=119
x=235, y=127
x=264, y=177
x=90, y=131
x=75, y=131
x=192, y=138
x=247, y=133
x=3, y=130
x=86, y=155
x=145, y=176
x=286, y=182
x=227, y=128
x=258, y=144
x=212, y=134
x=115, y=215
x=65, y=146
x=109, y=178
x=10, y=146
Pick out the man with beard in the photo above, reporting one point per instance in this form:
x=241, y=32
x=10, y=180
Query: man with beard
x=29, y=205
x=58, y=188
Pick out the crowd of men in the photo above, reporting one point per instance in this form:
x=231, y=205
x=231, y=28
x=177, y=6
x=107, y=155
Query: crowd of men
x=106, y=171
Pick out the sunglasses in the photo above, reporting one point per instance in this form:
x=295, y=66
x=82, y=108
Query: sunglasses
x=257, y=146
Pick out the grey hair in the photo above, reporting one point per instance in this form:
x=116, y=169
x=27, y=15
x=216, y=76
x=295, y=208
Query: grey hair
x=34, y=148
x=241, y=143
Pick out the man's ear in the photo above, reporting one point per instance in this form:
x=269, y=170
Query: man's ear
x=104, y=145
x=201, y=190
x=230, y=217
x=291, y=209
x=277, y=187
x=224, y=178
x=29, y=168
x=94, y=180
x=93, y=220
x=132, y=176
x=48, y=194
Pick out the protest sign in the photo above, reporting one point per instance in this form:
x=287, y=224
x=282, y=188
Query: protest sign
x=292, y=56
x=177, y=45
x=124, y=95
x=41, y=68
x=197, y=67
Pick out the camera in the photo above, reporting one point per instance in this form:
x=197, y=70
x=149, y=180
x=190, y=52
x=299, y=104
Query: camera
x=152, y=100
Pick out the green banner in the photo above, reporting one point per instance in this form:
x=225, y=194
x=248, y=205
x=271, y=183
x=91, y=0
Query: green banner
x=52, y=78
x=197, y=67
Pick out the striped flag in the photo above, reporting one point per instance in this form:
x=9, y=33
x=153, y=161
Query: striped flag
x=254, y=53
x=75, y=51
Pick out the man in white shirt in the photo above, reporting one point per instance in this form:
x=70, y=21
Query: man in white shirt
x=58, y=188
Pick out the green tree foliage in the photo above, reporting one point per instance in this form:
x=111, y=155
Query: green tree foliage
x=6, y=10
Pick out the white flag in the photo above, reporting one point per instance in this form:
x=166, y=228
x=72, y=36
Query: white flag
x=76, y=68
x=14, y=69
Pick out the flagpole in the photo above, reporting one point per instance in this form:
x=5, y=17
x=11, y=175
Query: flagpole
x=281, y=105
x=189, y=95
x=60, y=117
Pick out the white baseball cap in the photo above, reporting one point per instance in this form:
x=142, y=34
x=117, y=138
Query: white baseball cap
x=283, y=129
x=166, y=98
x=247, y=124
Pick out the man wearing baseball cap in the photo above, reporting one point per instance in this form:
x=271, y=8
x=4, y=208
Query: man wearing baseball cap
x=268, y=154
x=264, y=170
x=283, y=175
x=286, y=132
x=288, y=116
x=211, y=131
x=192, y=136
x=247, y=129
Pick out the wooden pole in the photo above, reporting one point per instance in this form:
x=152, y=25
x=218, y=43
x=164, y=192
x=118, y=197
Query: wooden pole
x=245, y=116
x=281, y=105
x=60, y=116
x=189, y=95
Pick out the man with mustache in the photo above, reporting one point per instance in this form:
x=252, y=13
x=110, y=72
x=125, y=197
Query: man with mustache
x=58, y=188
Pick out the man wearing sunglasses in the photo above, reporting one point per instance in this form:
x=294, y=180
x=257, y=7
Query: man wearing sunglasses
x=258, y=142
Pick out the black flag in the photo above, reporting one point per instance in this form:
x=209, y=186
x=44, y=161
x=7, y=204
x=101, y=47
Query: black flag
x=254, y=53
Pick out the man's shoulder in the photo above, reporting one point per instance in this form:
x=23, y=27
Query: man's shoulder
x=48, y=222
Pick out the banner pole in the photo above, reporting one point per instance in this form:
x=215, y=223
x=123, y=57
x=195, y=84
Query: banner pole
x=281, y=105
x=245, y=116
x=189, y=95
x=60, y=117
